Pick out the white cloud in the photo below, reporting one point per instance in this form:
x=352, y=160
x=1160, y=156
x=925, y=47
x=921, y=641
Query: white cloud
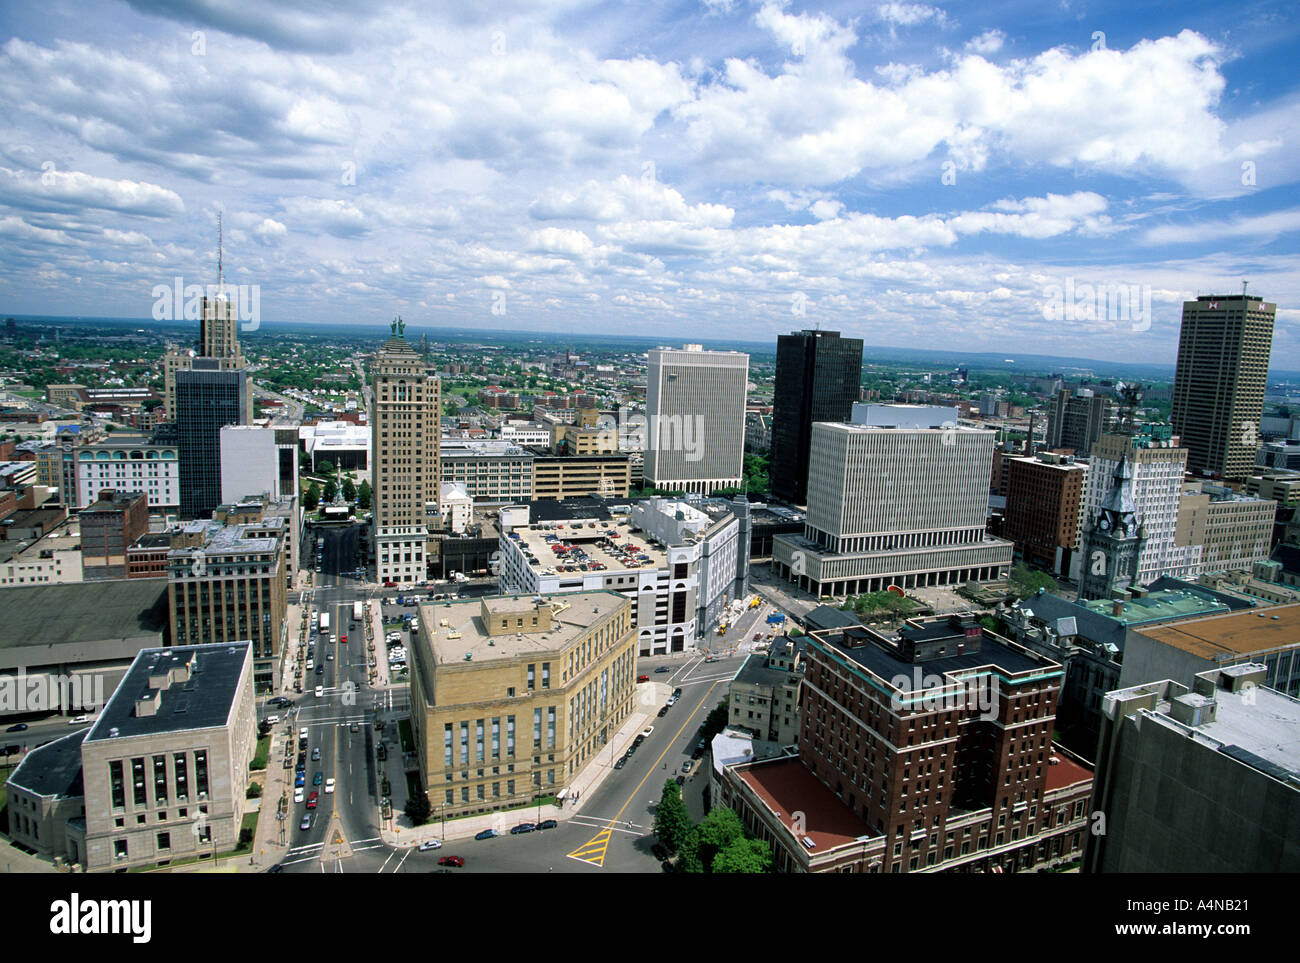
x=989, y=42
x=910, y=14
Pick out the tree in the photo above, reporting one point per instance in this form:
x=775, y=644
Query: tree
x=688, y=857
x=744, y=856
x=311, y=498
x=716, y=720
x=325, y=467
x=1025, y=581
x=331, y=489
x=672, y=822
x=418, y=808
x=363, y=495
x=719, y=829
x=349, y=489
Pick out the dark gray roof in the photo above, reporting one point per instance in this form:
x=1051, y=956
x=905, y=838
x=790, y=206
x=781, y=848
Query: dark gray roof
x=202, y=702
x=1233, y=602
x=1091, y=626
x=45, y=615
x=53, y=769
x=829, y=617
x=755, y=671
x=1289, y=556
x=887, y=666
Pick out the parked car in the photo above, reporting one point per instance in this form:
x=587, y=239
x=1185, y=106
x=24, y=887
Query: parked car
x=663, y=711
x=301, y=778
x=487, y=834
x=686, y=766
x=452, y=861
x=677, y=693
x=298, y=795
x=681, y=780
x=758, y=637
x=622, y=761
x=659, y=852
x=647, y=730
x=522, y=828
x=429, y=844
x=547, y=824
x=643, y=678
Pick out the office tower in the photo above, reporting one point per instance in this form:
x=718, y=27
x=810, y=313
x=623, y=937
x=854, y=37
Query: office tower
x=1157, y=463
x=207, y=399
x=227, y=583
x=254, y=461
x=928, y=750
x=404, y=430
x=1218, y=400
x=1077, y=420
x=818, y=375
x=695, y=418
x=1042, y=517
x=894, y=506
x=1112, y=541
x=1199, y=781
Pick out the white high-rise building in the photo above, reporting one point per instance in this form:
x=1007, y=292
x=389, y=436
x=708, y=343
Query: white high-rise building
x=404, y=433
x=695, y=418
x=894, y=506
x=1158, y=463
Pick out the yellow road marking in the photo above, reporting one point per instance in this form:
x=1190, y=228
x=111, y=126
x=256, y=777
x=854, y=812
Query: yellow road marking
x=599, y=844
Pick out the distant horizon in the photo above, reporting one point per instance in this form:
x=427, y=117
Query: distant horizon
x=989, y=360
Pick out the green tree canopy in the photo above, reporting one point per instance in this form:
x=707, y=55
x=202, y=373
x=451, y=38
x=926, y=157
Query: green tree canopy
x=349, y=489
x=716, y=720
x=363, y=495
x=418, y=808
x=744, y=856
x=1025, y=581
x=672, y=821
x=720, y=828
x=311, y=498
x=331, y=489
x=325, y=467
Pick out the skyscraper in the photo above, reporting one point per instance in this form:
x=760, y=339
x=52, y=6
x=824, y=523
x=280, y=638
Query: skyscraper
x=818, y=375
x=1077, y=419
x=207, y=399
x=404, y=431
x=1218, y=399
x=695, y=412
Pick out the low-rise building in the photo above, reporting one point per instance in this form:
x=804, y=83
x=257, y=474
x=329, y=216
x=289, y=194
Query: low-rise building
x=765, y=693
x=491, y=471
x=571, y=476
x=109, y=525
x=513, y=696
x=129, y=465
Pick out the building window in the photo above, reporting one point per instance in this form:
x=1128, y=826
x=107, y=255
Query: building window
x=137, y=781
x=164, y=841
x=117, y=783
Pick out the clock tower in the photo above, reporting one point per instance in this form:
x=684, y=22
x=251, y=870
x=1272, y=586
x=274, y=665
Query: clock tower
x=1112, y=544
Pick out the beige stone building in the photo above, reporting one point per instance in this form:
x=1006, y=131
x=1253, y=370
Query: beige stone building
x=162, y=774
x=512, y=696
x=571, y=476
x=765, y=693
x=1234, y=531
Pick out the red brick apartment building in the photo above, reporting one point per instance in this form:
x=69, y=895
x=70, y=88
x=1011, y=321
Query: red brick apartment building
x=1042, y=514
x=926, y=751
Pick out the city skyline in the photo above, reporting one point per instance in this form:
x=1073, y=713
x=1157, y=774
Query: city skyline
x=967, y=174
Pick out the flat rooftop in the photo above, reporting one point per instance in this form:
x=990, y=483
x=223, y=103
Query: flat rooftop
x=201, y=699
x=39, y=616
x=1157, y=606
x=53, y=769
x=612, y=543
x=1230, y=635
x=464, y=632
x=786, y=787
x=755, y=671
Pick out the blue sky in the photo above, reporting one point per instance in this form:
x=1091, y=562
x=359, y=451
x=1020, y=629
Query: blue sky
x=930, y=175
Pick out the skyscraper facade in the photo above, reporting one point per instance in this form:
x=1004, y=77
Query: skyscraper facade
x=818, y=375
x=1077, y=419
x=207, y=399
x=695, y=412
x=1218, y=399
x=404, y=432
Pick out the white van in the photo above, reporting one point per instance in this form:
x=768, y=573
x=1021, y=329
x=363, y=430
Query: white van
x=320, y=691
x=272, y=720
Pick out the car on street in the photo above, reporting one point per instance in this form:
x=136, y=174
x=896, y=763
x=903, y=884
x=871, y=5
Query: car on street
x=659, y=852
x=452, y=861
x=635, y=744
x=320, y=669
x=356, y=727
x=298, y=795
x=277, y=868
x=429, y=844
x=344, y=640
x=523, y=828
x=663, y=711
x=712, y=658
x=79, y=720
x=320, y=691
x=329, y=786
x=313, y=799
x=306, y=822
x=301, y=778
x=548, y=824
x=315, y=754
x=330, y=657
x=677, y=693
x=645, y=733
x=681, y=780
x=17, y=727
x=622, y=761
x=643, y=678
x=758, y=637
x=686, y=766
x=317, y=779
x=487, y=834
x=663, y=668
x=390, y=585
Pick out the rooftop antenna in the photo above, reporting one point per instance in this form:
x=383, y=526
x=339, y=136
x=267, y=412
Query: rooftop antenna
x=1243, y=289
x=221, y=284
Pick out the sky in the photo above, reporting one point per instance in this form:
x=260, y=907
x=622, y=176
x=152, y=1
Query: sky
x=1038, y=177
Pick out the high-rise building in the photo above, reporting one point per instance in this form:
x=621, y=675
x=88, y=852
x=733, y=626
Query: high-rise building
x=1157, y=464
x=129, y=464
x=207, y=400
x=1205, y=780
x=926, y=751
x=404, y=433
x=1043, y=498
x=894, y=506
x=227, y=583
x=695, y=418
x=818, y=375
x=1218, y=399
x=1233, y=530
x=1077, y=419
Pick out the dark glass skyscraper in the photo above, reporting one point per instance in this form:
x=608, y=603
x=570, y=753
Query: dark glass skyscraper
x=207, y=399
x=818, y=375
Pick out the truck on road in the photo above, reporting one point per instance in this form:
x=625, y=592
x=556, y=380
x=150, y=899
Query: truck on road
x=356, y=611
x=324, y=623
